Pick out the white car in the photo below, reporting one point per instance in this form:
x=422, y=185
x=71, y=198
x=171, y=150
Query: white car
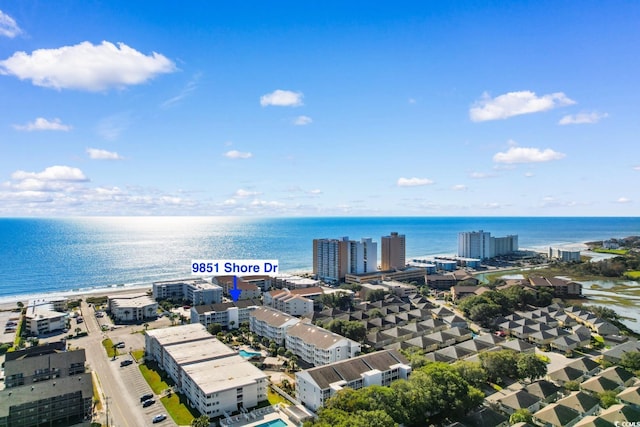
x=158, y=418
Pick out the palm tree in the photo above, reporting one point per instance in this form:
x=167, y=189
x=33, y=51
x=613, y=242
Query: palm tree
x=78, y=330
x=201, y=421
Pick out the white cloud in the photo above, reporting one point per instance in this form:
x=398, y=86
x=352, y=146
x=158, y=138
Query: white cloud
x=43, y=124
x=86, y=66
x=637, y=168
x=191, y=86
x=267, y=204
x=480, y=175
x=245, y=193
x=302, y=120
x=582, y=118
x=527, y=155
x=98, y=154
x=623, y=200
x=529, y=174
x=8, y=26
x=315, y=192
x=459, y=187
x=235, y=154
x=229, y=202
x=514, y=104
x=282, y=98
x=52, y=173
x=413, y=182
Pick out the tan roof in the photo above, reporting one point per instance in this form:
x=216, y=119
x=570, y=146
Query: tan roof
x=319, y=337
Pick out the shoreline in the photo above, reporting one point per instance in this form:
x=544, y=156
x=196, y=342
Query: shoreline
x=11, y=300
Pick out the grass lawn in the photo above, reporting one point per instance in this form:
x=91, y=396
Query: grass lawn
x=108, y=345
x=611, y=251
x=274, y=397
x=137, y=354
x=153, y=379
x=176, y=406
x=96, y=397
x=633, y=275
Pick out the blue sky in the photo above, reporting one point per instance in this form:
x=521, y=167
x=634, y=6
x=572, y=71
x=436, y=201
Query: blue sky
x=433, y=108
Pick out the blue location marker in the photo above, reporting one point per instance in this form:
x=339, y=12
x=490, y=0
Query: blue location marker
x=235, y=292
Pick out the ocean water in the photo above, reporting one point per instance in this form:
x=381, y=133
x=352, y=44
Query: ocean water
x=40, y=256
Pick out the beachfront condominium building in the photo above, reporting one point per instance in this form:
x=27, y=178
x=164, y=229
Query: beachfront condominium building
x=46, y=386
x=480, y=244
x=393, y=252
x=314, y=386
x=363, y=256
x=213, y=377
x=195, y=291
x=566, y=255
x=333, y=259
x=45, y=315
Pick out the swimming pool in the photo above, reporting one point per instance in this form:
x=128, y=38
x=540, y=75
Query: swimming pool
x=273, y=423
x=249, y=354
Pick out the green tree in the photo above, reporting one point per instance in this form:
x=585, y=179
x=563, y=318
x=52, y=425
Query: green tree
x=607, y=398
x=376, y=295
x=201, y=421
x=521, y=416
x=531, y=366
x=500, y=364
x=472, y=372
x=281, y=351
x=631, y=360
x=571, y=386
x=214, y=328
x=484, y=313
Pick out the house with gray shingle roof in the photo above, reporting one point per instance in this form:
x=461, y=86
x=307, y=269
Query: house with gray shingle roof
x=619, y=375
x=566, y=374
x=587, y=365
x=599, y=384
x=582, y=402
x=546, y=391
x=557, y=416
x=520, y=399
x=630, y=396
x=621, y=413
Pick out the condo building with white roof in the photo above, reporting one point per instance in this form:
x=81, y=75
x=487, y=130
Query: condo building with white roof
x=211, y=375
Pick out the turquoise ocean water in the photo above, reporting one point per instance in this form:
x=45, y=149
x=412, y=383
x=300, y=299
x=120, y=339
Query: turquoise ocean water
x=40, y=256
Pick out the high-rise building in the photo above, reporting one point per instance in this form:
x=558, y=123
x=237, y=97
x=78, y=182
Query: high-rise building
x=474, y=244
x=480, y=244
x=363, y=256
x=393, y=251
x=331, y=259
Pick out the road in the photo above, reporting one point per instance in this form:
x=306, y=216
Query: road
x=122, y=386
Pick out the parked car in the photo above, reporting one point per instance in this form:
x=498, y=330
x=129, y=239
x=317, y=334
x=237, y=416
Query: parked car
x=126, y=362
x=148, y=403
x=146, y=396
x=158, y=418
x=120, y=345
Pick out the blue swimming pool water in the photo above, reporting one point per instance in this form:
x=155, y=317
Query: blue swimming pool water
x=273, y=423
x=249, y=354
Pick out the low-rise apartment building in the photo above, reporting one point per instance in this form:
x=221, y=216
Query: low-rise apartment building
x=227, y=314
x=319, y=346
x=212, y=376
x=133, y=308
x=195, y=291
x=314, y=386
x=296, y=302
x=270, y=323
x=45, y=315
